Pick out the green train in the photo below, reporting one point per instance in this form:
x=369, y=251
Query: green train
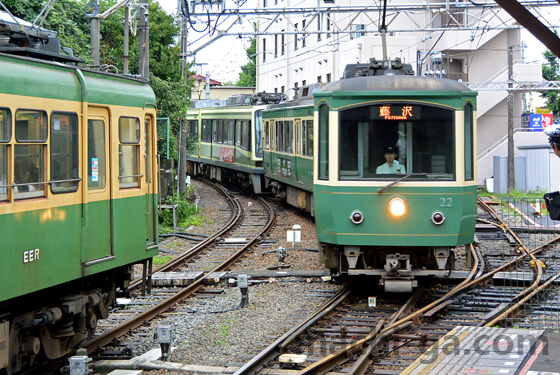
x=382, y=159
x=78, y=202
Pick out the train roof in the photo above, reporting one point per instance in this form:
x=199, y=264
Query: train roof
x=394, y=83
x=32, y=77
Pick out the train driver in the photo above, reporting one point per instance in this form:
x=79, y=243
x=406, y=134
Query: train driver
x=392, y=166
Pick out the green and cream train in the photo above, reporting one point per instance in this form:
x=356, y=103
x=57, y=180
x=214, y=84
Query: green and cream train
x=78, y=201
x=382, y=159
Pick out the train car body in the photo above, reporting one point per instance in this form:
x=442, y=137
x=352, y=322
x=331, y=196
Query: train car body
x=78, y=201
x=288, y=152
x=228, y=144
x=396, y=225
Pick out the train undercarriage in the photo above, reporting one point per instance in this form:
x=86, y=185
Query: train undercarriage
x=43, y=326
x=398, y=269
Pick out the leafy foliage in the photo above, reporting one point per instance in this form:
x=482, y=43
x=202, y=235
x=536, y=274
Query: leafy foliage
x=248, y=75
x=185, y=211
x=551, y=72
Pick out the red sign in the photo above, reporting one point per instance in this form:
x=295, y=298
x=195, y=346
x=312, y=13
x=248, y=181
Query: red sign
x=546, y=120
x=226, y=154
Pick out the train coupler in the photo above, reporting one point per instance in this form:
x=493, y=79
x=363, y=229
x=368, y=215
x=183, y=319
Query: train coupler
x=398, y=284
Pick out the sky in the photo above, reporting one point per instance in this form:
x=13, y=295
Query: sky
x=224, y=57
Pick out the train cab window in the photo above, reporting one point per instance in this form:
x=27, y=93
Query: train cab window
x=97, y=169
x=258, y=134
x=469, y=143
x=129, y=133
x=388, y=140
x=64, y=152
x=5, y=137
x=324, y=142
x=29, y=153
x=206, y=135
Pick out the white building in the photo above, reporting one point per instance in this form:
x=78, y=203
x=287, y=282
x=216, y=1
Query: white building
x=454, y=40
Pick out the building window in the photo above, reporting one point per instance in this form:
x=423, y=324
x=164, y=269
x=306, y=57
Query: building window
x=295, y=37
x=318, y=79
x=303, y=44
x=328, y=25
x=328, y=77
x=283, y=89
x=276, y=45
x=358, y=28
x=304, y=82
x=264, y=50
x=319, y=19
x=283, y=42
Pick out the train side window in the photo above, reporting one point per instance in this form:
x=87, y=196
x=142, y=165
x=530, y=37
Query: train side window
x=5, y=136
x=214, y=131
x=193, y=128
x=230, y=131
x=323, y=142
x=309, y=138
x=97, y=170
x=267, y=135
x=5, y=125
x=206, y=135
x=289, y=136
x=31, y=125
x=469, y=143
x=29, y=170
x=129, y=132
x=245, y=134
x=238, y=132
x=64, y=152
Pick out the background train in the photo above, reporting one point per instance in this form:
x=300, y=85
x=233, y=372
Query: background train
x=321, y=151
x=77, y=201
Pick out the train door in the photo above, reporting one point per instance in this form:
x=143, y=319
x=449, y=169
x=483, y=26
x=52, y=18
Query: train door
x=99, y=236
x=149, y=185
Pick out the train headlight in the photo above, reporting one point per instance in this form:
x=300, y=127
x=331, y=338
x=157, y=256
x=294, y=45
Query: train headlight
x=397, y=207
x=438, y=218
x=356, y=217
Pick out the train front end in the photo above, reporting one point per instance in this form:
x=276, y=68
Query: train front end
x=394, y=176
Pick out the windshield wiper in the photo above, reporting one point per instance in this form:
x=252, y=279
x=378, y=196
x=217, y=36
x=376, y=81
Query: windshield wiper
x=380, y=190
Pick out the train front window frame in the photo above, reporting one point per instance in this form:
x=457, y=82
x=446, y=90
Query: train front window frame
x=64, y=152
x=384, y=141
x=129, y=152
x=31, y=126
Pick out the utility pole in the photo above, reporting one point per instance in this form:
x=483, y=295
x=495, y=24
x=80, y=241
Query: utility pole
x=126, y=32
x=144, y=39
x=511, y=148
x=94, y=35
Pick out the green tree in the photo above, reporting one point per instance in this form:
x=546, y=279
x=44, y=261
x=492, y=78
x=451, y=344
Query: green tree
x=248, y=75
x=551, y=72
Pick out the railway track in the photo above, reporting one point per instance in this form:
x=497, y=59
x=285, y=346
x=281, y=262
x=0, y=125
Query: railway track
x=360, y=341
x=216, y=253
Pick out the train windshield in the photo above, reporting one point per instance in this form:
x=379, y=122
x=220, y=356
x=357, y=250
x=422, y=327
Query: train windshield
x=385, y=141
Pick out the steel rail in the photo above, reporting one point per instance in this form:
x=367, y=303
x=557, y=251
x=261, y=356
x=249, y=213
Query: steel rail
x=390, y=329
x=234, y=218
x=275, y=348
x=146, y=316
